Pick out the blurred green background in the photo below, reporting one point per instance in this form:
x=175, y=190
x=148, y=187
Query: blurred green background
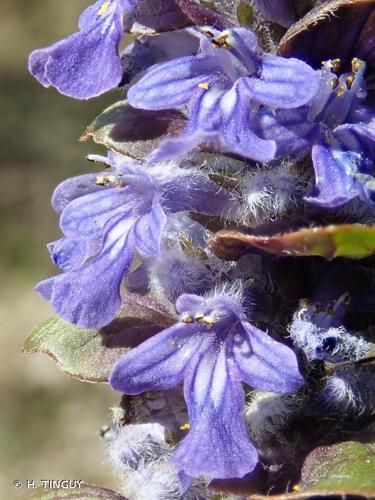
x=48, y=422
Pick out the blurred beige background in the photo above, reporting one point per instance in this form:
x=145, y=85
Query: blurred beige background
x=48, y=422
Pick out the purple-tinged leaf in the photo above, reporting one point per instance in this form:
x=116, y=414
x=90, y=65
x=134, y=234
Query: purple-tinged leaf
x=133, y=132
x=344, y=467
x=89, y=354
x=354, y=241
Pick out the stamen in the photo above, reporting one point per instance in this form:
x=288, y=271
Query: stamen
x=349, y=82
x=221, y=41
x=106, y=180
x=102, y=180
x=208, y=322
x=335, y=83
x=333, y=64
x=357, y=64
x=186, y=318
x=207, y=32
x=185, y=427
x=204, y=85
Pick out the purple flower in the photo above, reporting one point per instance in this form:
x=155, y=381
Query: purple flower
x=211, y=350
x=343, y=153
x=341, y=130
x=106, y=219
x=223, y=86
x=318, y=330
x=87, y=63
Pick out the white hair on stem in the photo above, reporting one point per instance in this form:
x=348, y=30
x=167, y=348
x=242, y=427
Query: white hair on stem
x=269, y=193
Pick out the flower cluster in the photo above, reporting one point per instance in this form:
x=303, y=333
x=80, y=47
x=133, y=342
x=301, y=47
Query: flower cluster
x=254, y=138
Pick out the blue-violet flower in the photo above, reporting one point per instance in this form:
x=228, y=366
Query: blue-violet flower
x=223, y=87
x=340, y=127
x=106, y=219
x=87, y=63
x=211, y=350
x=320, y=333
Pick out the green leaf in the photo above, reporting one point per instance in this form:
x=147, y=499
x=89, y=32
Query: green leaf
x=354, y=241
x=85, y=491
x=347, y=467
x=133, y=132
x=89, y=354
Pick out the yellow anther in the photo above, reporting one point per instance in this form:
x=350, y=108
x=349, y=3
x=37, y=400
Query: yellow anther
x=332, y=64
x=221, y=41
x=296, y=487
x=207, y=31
x=223, y=36
x=209, y=322
x=335, y=83
x=341, y=91
x=336, y=65
x=203, y=85
x=185, y=427
x=217, y=44
x=106, y=180
x=102, y=180
x=104, y=8
x=349, y=82
x=187, y=319
x=356, y=64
